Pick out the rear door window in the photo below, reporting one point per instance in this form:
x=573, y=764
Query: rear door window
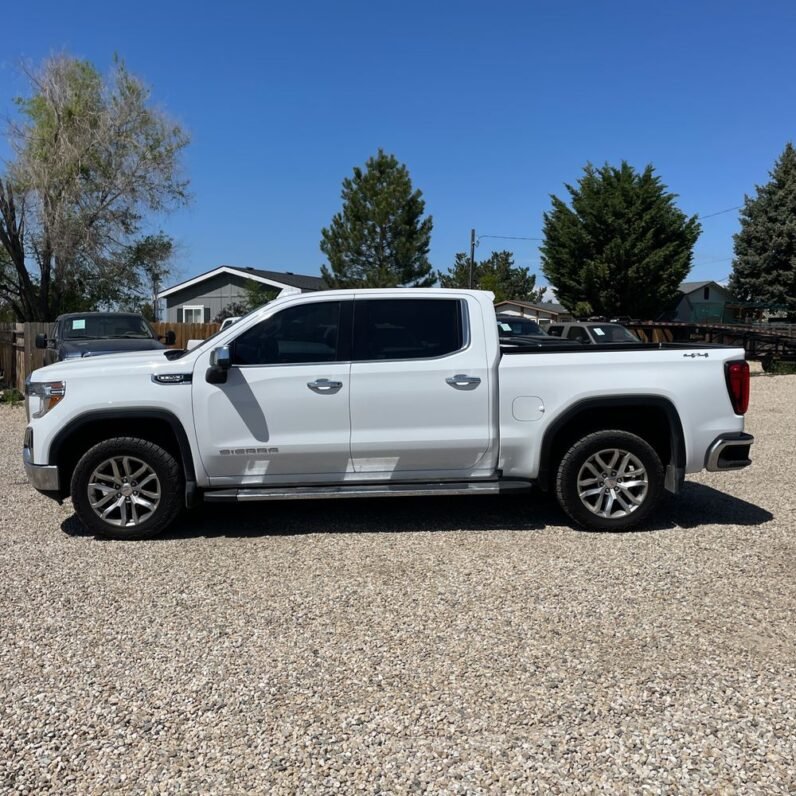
x=407, y=328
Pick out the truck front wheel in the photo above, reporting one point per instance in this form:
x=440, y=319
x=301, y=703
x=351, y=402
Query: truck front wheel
x=610, y=481
x=127, y=488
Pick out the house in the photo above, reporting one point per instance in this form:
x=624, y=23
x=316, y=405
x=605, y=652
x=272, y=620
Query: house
x=704, y=302
x=546, y=312
x=202, y=298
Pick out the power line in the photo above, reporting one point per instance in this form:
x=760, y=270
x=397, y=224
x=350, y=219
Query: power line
x=508, y=237
x=719, y=213
x=712, y=260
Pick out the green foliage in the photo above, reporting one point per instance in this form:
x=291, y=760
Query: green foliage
x=764, y=269
x=780, y=368
x=258, y=294
x=379, y=238
x=146, y=261
x=233, y=310
x=92, y=160
x=583, y=309
x=11, y=396
x=498, y=274
x=623, y=247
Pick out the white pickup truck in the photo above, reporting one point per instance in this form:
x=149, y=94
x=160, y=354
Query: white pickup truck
x=365, y=393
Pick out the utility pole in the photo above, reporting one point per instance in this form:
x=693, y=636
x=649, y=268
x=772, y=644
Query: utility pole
x=472, y=256
x=155, y=289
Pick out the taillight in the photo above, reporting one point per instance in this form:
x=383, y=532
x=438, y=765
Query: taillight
x=737, y=374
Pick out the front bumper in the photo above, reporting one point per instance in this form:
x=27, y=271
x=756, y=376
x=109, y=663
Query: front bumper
x=43, y=477
x=729, y=452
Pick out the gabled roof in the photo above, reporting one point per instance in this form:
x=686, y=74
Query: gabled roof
x=690, y=287
x=281, y=279
x=548, y=306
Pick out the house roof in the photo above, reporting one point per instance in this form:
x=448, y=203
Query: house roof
x=275, y=278
x=690, y=287
x=546, y=306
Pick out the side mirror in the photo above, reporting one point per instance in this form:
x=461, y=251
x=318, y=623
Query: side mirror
x=221, y=357
x=220, y=363
x=171, y=337
x=41, y=341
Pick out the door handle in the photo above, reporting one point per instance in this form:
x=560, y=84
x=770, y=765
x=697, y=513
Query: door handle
x=462, y=380
x=324, y=385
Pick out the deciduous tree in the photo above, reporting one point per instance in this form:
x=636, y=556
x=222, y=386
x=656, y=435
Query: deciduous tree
x=93, y=160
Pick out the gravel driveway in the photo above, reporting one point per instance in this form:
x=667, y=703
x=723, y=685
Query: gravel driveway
x=476, y=645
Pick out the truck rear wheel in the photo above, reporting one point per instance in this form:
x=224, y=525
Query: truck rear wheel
x=127, y=488
x=610, y=481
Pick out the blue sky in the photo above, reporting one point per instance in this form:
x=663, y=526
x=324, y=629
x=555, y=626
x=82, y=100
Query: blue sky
x=492, y=106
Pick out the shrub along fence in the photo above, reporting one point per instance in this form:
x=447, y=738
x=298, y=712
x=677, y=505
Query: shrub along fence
x=19, y=355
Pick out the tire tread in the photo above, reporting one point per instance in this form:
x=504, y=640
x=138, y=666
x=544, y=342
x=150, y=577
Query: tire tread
x=172, y=482
x=573, y=507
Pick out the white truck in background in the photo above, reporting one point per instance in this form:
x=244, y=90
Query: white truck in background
x=364, y=393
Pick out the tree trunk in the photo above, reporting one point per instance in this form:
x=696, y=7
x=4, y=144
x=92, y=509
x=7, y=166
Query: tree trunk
x=13, y=241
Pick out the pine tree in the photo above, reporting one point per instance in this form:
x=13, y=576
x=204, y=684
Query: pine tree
x=379, y=238
x=622, y=248
x=764, y=268
x=498, y=274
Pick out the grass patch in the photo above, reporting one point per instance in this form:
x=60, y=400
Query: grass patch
x=781, y=369
x=11, y=396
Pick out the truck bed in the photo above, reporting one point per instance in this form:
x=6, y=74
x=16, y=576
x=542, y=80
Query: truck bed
x=567, y=347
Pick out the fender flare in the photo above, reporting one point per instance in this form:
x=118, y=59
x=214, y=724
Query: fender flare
x=675, y=468
x=87, y=418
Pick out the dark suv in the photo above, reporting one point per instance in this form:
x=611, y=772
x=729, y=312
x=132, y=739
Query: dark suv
x=593, y=333
x=84, y=334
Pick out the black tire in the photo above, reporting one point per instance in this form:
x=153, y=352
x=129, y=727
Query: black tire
x=167, y=484
x=584, y=450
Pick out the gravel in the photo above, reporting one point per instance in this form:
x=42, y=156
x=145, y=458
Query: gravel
x=448, y=646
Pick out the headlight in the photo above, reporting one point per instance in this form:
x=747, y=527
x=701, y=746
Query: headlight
x=43, y=396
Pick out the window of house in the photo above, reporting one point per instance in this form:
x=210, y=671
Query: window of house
x=302, y=334
x=706, y=293
x=407, y=328
x=193, y=314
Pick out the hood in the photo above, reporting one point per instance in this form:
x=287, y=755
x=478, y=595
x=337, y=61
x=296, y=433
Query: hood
x=113, y=363
x=91, y=348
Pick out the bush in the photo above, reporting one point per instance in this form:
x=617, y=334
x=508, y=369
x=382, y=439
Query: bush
x=781, y=368
x=10, y=396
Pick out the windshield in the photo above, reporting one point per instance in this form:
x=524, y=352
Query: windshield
x=110, y=326
x=613, y=333
x=518, y=327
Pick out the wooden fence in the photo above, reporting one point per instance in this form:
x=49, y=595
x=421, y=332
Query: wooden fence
x=186, y=331
x=19, y=355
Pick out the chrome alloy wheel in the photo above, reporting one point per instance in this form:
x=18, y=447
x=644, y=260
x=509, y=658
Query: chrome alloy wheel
x=124, y=491
x=612, y=483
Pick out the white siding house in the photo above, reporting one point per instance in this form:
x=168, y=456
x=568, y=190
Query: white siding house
x=203, y=297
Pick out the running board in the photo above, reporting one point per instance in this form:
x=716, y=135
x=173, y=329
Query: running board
x=364, y=490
